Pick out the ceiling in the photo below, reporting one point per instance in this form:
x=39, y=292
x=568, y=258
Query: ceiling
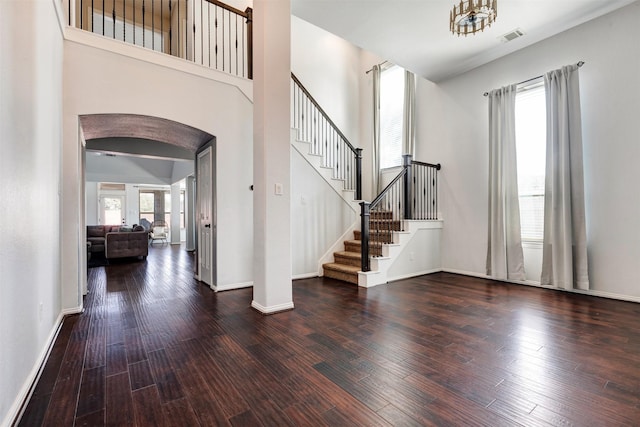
x=415, y=33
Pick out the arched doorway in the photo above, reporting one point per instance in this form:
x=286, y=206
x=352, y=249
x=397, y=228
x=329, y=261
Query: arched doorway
x=150, y=137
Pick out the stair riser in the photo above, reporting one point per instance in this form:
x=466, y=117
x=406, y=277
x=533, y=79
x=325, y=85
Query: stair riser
x=385, y=225
x=373, y=250
x=384, y=237
x=339, y=275
x=347, y=260
x=381, y=215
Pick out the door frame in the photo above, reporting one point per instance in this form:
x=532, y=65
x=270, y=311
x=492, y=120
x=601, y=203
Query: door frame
x=214, y=215
x=111, y=194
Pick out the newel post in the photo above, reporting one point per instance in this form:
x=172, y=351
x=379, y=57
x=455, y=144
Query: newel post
x=364, y=235
x=358, y=173
x=408, y=181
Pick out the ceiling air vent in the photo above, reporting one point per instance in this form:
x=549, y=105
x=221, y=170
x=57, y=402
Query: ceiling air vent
x=512, y=35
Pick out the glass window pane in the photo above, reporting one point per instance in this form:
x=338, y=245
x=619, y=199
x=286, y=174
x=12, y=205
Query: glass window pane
x=146, y=202
x=167, y=201
x=531, y=136
x=391, y=117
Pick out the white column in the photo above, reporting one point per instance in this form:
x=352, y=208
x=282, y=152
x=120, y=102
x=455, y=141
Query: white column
x=271, y=156
x=190, y=213
x=175, y=213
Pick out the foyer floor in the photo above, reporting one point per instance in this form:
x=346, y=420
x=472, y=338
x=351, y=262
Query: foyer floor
x=154, y=347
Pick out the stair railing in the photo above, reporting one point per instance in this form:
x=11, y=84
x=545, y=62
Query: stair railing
x=315, y=127
x=207, y=32
x=412, y=194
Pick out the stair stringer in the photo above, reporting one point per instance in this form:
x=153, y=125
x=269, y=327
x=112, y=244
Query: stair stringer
x=337, y=185
x=391, y=252
x=326, y=173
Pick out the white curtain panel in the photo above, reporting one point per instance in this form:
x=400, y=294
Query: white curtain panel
x=505, y=259
x=376, y=131
x=564, y=258
x=409, y=111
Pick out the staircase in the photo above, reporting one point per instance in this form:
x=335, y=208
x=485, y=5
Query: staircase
x=348, y=263
x=406, y=207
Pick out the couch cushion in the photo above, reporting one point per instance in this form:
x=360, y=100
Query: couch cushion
x=95, y=231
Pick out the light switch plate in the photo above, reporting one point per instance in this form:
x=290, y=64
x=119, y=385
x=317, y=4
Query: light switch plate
x=279, y=190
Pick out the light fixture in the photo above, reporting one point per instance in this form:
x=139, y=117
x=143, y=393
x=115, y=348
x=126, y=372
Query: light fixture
x=471, y=16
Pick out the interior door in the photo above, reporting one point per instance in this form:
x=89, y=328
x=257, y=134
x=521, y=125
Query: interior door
x=112, y=210
x=205, y=215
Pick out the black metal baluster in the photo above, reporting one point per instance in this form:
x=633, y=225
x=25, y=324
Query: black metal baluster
x=162, y=25
x=209, y=31
x=170, y=29
x=193, y=22
x=236, y=45
x=435, y=190
x=216, y=25
x=223, y=42
x=244, y=51
x=103, y=17
x=113, y=16
x=144, y=43
x=124, y=20
x=186, y=29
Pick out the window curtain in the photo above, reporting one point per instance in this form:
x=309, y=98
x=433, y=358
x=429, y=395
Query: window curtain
x=409, y=114
x=376, y=179
x=564, y=257
x=505, y=259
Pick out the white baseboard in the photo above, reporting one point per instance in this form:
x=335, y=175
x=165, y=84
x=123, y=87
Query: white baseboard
x=416, y=274
x=305, y=276
x=232, y=286
x=272, y=309
x=590, y=292
x=17, y=408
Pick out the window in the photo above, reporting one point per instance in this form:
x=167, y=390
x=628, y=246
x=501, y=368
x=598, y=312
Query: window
x=147, y=205
x=531, y=131
x=167, y=207
x=182, y=224
x=391, y=116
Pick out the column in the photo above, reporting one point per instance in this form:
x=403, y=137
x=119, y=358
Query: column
x=272, y=290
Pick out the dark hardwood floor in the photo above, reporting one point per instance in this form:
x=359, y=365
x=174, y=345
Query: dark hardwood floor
x=154, y=347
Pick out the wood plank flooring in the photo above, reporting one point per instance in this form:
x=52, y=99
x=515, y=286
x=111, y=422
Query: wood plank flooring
x=156, y=348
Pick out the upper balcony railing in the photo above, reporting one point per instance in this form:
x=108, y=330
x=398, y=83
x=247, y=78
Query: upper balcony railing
x=207, y=32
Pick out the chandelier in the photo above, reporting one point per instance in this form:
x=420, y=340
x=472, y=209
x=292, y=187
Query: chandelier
x=471, y=16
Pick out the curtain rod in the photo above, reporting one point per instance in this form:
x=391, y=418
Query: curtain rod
x=382, y=63
x=579, y=64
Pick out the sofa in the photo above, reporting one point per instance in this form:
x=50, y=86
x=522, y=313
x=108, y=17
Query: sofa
x=118, y=242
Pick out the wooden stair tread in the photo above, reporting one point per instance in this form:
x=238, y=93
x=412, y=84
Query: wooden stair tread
x=349, y=254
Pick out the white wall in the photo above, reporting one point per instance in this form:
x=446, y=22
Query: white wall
x=91, y=202
x=328, y=67
x=420, y=256
x=453, y=130
x=319, y=216
x=30, y=138
x=99, y=80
